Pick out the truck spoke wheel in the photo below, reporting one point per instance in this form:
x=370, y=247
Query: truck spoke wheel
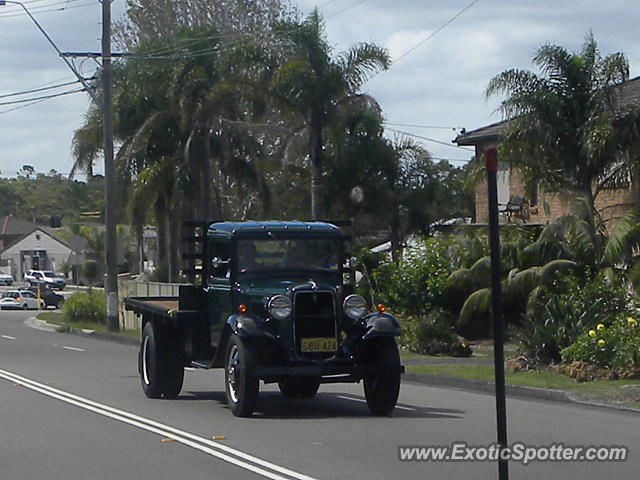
x=241, y=388
x=382, y=388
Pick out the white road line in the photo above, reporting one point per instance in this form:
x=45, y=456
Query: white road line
x=8, y=337
x=75, y=349
x=364, y=401
x=231, y=455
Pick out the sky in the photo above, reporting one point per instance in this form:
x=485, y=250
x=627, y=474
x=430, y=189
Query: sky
x=444, y=51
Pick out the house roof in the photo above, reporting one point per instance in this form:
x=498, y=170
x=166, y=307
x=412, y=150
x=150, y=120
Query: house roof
x=22, y=237
x=10, y=225
x=629, y=95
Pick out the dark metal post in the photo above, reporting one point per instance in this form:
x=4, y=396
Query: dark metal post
x=111, y=239
x=496, y=306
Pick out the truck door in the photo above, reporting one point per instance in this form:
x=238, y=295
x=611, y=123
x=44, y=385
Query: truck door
x=219, y=289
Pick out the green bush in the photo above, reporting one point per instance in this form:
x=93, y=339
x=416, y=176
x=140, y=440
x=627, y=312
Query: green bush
x=432, y=334
x=615, y=346
x=85, y=307
x=414, y=285
x=556, y=317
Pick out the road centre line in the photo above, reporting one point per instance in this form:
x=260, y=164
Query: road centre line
x=8, y=337
x=231, y=455
x=364, y=401
x=75, y=349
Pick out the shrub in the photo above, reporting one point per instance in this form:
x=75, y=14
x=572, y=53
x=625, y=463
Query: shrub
x=85, y=307
x=415, y=284
x=614, y=346
x=556, y=317
x=432, y=334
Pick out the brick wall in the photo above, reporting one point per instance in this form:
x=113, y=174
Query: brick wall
x=611, y=203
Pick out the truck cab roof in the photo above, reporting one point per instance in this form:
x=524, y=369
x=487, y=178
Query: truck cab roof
x=231, y=229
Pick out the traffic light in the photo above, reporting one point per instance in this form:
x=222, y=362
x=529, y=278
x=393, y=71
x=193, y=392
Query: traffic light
x=35, y=262
x=55, y=221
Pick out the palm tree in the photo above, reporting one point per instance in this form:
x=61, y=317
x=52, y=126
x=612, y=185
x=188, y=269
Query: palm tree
x=312, y=86
x=567, y=129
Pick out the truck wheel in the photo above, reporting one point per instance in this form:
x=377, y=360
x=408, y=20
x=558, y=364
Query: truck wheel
x=381, y=389
x=241, y=389
x=161, y=369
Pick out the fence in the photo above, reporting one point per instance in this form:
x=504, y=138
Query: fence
x=131, y=288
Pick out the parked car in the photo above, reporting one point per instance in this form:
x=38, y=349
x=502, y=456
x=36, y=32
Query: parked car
x=5, y=279
x=48, y=296
x=35, y=277
x=19, y=300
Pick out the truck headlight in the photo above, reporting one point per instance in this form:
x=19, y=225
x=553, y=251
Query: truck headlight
x=354, y=306
x=280, y=307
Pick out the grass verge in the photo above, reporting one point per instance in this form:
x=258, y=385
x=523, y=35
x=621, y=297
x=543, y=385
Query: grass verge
x=56, y=318
x=610, y=391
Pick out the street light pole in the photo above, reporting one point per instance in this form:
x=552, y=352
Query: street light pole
x=106, y=104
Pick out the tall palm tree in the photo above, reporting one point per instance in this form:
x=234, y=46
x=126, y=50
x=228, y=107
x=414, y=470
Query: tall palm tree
x=567, y=129
x=312, y=85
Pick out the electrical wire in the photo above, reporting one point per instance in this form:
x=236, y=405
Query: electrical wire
x=46, y=97
x=36, y=12
x=345, y=9
x=435, y=127
x=35, y=90
x=428, y=139
x=436, y=31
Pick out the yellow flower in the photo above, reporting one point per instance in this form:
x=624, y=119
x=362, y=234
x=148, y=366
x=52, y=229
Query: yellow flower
x=632, y=321
x=592, y=333
x=600, y=326
x=601, y=342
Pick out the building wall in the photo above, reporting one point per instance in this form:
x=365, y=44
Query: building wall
x=57, y=252
x=612, y=204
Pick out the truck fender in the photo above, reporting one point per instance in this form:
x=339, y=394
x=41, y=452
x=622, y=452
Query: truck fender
x=381, y=325
x=247, y=326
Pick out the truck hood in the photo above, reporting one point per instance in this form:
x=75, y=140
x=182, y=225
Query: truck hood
x=266, y=287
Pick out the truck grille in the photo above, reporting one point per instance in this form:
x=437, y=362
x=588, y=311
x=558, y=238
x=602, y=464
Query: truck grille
x=314, y=316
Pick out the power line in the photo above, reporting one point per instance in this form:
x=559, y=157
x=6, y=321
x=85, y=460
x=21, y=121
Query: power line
x=435, y=127
x=345, y=9
x=428, y=139
x=47, y=97
x=24, y=106
x=36, y=12
x=35, y=90
x=438, y=30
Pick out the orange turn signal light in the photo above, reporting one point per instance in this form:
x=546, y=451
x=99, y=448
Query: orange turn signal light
x=242, y=308
x=381, y=307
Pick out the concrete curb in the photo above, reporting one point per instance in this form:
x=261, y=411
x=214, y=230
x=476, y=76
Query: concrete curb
x=110, y=337
x=535, y=393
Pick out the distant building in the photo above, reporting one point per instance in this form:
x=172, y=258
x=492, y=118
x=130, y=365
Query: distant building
x=612, y=202
x=25, y=245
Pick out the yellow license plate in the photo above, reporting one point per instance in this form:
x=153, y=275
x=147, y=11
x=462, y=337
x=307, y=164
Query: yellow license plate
x=318, y=344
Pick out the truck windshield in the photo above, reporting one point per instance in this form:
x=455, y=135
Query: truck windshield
x=259, y=255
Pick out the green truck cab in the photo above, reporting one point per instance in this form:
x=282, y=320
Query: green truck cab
x=275, y=303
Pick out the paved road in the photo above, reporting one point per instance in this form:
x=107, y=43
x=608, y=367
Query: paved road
x=71, y=407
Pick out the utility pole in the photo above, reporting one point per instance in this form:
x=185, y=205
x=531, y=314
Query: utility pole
x=111, y=240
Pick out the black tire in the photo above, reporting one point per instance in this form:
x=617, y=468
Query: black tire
x=60, y=304
x=305, y=387
x=241, y=389
x=25, y=307
x=159, y=363
x=381, y=389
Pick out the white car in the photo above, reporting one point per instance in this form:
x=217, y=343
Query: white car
x=5, y=279
x=19, y=300
x=34, y=277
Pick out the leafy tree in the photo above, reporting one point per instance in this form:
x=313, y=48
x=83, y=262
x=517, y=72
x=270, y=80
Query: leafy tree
x=567, y=128
x=313, y=86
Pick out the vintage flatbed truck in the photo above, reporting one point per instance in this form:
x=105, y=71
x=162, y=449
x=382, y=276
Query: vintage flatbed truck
x=274, y=302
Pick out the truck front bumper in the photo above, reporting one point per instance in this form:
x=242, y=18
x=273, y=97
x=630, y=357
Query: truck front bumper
x=327, y=373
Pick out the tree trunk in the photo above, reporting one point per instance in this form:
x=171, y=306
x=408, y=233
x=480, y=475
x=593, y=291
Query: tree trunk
x=317, y=203
x=140, y=242
x=206, y=178
x=161, y=219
